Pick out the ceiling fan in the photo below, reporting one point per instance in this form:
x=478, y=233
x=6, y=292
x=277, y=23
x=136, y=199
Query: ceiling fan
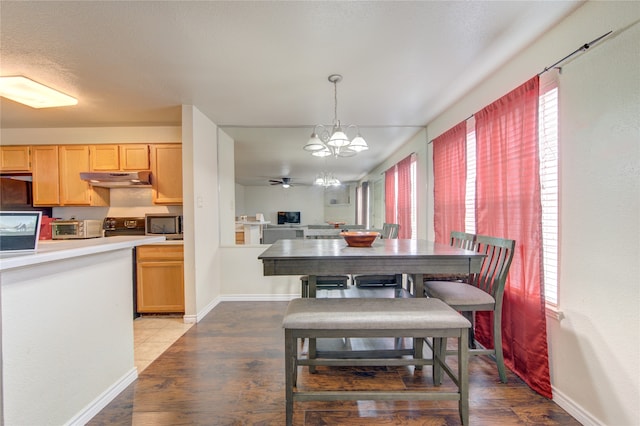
x=285, y=182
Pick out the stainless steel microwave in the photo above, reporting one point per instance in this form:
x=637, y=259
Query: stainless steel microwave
x=167, y=224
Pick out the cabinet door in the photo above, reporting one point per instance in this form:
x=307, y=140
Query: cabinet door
x=73, y=160
x=15, y=159
x=160, y=286
x=104, y=157
x=166, y=173
x=46, y=185
x=134, y=157
x=73, y=190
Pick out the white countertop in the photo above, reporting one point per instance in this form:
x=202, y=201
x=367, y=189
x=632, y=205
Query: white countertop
x=52, y=250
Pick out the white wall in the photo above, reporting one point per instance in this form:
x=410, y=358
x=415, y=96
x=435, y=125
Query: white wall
x=201, y=207
x=242, y=277
x=90, y=135
x=58, y=318
x=594, y=348
x=239, y=198
x=268, y=200
x=227, y=187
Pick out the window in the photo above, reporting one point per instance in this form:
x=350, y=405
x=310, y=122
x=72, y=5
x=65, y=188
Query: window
x=548, y=149
x=470, y=192
x=548, y=140
x=401, y=196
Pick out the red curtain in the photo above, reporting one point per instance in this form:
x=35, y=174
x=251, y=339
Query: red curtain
x=508, y=206
x=404, y=197
x=449, y=178
x=390, y=195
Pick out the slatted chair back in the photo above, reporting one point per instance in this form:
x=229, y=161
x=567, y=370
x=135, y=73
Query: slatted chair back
x=390, y=230
x=495, y=266
x=463, y=240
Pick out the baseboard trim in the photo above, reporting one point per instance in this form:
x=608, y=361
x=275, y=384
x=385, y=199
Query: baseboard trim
x=573, y=408
x=259, y=297
x=204, y=311
x=88, y=412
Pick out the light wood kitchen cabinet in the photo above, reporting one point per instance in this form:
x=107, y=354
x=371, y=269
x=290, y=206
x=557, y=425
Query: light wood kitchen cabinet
x=15, y=158
x=134, y=157
x=166, y=173
x=104, y=157
x=46, y=184
x=74, y=159
x=160, y=278
x=119, y=157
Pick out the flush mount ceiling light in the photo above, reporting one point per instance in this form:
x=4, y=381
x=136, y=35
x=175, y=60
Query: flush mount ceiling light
x=31, y=93
x=323, y=143
x=326, y=179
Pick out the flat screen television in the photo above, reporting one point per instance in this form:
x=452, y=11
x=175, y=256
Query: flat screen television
x=19, y=231
x=288, y=217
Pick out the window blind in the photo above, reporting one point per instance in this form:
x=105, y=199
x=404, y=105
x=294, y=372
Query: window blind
x=548, y=140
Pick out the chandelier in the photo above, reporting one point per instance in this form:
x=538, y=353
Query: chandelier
x=326, y=179
x=337, y=144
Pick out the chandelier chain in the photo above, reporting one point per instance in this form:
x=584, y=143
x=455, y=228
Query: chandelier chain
x=335, y=102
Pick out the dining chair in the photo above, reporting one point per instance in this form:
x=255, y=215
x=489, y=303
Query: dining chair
x=482, y=291
x=461, y=240
x=389, y=231
x=458, y=239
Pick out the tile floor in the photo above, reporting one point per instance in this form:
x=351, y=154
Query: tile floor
x=153, y=335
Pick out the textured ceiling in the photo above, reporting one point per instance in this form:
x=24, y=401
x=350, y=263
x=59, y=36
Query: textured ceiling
x=255, y=65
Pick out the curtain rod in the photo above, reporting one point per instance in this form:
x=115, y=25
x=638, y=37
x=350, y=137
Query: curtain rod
x=580, y=49
x=555, y=65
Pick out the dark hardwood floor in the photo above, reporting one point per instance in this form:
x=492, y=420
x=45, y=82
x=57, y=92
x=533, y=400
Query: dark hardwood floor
x=229, y=370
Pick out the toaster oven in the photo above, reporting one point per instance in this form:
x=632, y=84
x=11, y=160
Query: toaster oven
x=76, y=229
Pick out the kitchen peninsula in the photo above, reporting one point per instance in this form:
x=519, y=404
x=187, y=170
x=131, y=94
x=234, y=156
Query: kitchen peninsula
x=67, y=328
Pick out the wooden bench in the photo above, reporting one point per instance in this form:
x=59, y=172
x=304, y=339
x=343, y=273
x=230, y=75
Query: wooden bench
x=417, y=318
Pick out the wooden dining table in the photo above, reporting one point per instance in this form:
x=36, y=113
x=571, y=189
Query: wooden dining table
x=321, y=257
x=314, y=257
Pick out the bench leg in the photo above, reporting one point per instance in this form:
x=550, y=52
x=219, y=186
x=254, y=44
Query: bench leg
x=437, y=358
x=312, y=353
x=463, y=376
x=290, y=372
x=418, y=349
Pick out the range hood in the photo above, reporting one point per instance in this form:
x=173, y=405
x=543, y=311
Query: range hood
x=132, y=179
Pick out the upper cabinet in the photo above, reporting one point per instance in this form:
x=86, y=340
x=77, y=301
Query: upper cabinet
x=56, y=177
x=56, y=170
x=134, y=157
x=15, y=158
x=119, y=157
x=166, y=173
x=46, y=183
x=74, y=159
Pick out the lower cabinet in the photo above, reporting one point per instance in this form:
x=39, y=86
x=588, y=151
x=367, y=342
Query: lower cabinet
x=160, y=278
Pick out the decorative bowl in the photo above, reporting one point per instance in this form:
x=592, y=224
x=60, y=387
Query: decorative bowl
x=359, y=238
